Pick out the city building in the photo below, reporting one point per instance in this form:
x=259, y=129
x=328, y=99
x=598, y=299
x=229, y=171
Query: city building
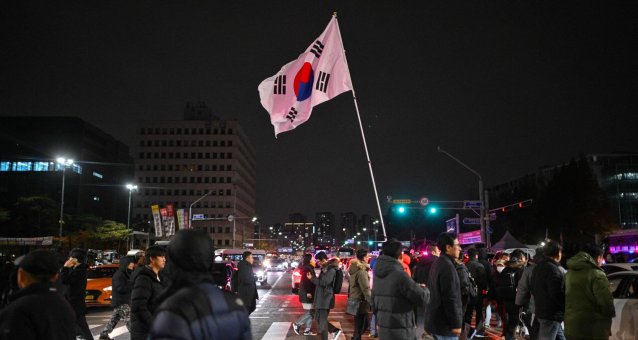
x=348, y=225
x=201, y=163
x=325, y=228
x=95, y=183
x=617, y=175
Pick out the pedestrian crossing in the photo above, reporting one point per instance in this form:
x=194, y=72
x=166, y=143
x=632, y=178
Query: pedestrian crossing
x=96, y=329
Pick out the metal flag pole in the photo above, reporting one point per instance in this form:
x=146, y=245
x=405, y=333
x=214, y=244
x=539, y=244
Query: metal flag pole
x=363, y=136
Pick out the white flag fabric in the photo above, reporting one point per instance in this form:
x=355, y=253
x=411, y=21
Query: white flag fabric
x=319, y=74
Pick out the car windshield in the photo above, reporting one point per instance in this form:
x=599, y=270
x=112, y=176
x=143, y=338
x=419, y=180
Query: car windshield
x=101, y=272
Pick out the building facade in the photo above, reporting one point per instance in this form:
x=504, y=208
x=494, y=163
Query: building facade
x=94, y=184
x=200, y=163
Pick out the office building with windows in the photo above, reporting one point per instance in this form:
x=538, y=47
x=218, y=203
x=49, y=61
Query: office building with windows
x=94, y=184
x=202, y=163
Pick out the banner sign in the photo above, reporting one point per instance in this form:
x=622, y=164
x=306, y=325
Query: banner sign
x=157, y=220
x=26, y=241
x=170, y=220
x=470, y=238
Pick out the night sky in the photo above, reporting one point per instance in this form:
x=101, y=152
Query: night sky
x=505, y=86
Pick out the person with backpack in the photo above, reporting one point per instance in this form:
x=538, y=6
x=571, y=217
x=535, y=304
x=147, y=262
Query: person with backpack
x=468, y=290
x=395, y=295
x=193, y=307
x=306, y=297
x=505, y=285
x=475, y=303
x=247, y=283
x=324, y=298
x=359, y=290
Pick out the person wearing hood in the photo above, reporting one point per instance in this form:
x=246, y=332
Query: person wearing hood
x=324, y=298
x=146, y=291
x=120, y=296
x=37, y=310
x=360, y=290
x=589, y=305
x=193, y=307
x=395, y=295
x=444, y=311
x=74, y=275
x=505, y=285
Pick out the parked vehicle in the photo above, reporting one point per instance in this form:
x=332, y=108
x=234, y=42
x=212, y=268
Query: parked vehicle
x=99, y=285
x=222, y=273
x=610, y=268
x=624, y=289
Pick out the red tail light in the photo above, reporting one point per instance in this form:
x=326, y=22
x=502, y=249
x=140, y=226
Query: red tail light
x=296, y=273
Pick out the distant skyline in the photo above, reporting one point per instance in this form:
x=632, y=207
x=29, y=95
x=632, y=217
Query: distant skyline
x=507, y=87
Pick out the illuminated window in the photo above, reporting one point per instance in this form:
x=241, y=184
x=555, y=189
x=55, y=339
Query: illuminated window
x=41, y=166
x=5, y=166
x=22, y=166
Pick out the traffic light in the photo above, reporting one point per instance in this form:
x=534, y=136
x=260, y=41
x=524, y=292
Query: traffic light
x=432, y=210
x=401, y=209
x=370, y=243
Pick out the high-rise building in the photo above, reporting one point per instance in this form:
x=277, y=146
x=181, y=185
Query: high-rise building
x=325, y=228
x=94, y=184
x=349, y=223
x=201, y=163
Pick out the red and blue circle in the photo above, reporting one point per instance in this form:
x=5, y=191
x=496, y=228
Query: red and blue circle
x=303, y=82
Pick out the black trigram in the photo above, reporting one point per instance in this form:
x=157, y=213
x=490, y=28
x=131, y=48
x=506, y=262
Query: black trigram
x=317, y=48
x=280, y=85
x=292, y=114
x=322, y=81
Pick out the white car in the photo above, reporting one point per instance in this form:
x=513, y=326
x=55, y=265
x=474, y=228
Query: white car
x=624, y=289
x=610, y=268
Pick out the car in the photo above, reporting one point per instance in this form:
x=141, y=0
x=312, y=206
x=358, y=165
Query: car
x=277, y=265
x=99, y=284
x=610, y=268
x=260, y=273
x=624, y=288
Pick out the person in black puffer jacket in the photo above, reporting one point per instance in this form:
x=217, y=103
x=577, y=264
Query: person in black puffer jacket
x=306, y=296
x=395, y=295
x=73, y=274
x=548, y=289
x=120, y=296
x=193, y=307
x=146, y=291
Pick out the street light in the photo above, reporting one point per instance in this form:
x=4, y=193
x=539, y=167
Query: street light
x=480, y=178
x=190, y=209
x=130, y=188
x=65, y=163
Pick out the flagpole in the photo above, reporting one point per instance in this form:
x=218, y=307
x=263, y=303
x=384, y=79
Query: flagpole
x=363, y=136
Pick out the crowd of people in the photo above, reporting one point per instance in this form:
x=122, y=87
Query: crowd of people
x=169, y=293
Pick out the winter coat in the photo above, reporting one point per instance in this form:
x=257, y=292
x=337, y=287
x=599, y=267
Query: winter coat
x=464, y=282
x=548, y=288
x=405, y=262
x=589, y=305
x=506, y=281
x=524, y=295
x=324, y=297
x=445, y=308
x=121, y=293
x=477, y=270
x=394, y=297
x=75, y=279
x=201, y=312
x=247, y=285
x=422, y=269
x=305, y=284
x=146, y=290
x=36, y=312
x=360, y=284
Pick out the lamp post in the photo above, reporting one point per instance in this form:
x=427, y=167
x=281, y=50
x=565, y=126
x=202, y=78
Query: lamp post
x=65, y=163
x=480, y=184
x=190, y=209
x=130, y=188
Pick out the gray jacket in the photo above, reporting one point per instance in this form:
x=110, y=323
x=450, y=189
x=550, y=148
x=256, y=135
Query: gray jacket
x=324, y=295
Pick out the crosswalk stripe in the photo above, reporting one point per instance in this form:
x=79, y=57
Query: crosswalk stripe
x=277, y=331
x=95, y=326
x=338, y=325
x=116, y=332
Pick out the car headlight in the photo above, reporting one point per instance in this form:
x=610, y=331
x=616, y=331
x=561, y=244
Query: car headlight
x=260, y=273
x=108, y=288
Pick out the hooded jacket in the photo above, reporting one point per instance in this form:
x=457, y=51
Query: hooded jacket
x=589, y=305
x=445, y=308
x=144, y=300
x=121, y=289
x=324, y=297
x=360, y=283
x=394, y=297
x=305, y=285
x=548, y=288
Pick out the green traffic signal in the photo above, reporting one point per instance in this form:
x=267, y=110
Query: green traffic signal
x=401, y=210
x=433, y=210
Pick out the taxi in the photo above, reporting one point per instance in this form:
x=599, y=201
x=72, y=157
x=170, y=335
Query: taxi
x=99, y=285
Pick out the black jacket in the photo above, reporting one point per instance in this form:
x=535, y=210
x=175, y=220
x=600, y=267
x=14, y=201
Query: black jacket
x=75, y=279
x=121, y=293
x=394, y=297
x=548, y=288
x=247, y=285
x=477, y=270
x=38, y=312
x=305, y=285
x=421, y=270
x=146, y=290
x=445, y=308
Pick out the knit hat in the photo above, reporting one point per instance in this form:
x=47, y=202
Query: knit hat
x=39, y=262
x=191, y=250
